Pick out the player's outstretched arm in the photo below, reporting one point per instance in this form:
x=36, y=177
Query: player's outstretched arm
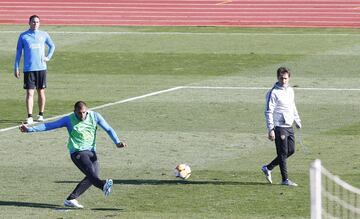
x=62, y=122
x=109, y=130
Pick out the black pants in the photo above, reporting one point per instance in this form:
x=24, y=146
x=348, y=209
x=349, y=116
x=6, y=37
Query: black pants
x=285, y=147
x=87, y=162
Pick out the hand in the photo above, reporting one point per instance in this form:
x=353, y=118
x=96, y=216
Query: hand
x=121, y=145
x=46, y=59
x=17, y=73
x=271, y=135
x=23, y=128
x=298, y=126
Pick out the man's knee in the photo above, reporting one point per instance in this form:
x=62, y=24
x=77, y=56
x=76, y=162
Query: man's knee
x=30, y=92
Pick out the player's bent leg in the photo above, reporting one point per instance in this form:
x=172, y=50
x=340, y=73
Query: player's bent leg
x=83, y=161
x=84, y=185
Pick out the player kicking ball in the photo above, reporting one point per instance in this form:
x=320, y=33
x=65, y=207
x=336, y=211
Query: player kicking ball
x=81, y=126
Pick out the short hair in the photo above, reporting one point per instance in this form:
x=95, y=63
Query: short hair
x=78, y=105
x=283, y=70
x=32, y=17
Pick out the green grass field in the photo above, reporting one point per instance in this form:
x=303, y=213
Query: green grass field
x=219, y=132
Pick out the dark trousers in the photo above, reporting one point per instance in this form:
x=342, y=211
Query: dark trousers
x=285, y=147
x=87, y=162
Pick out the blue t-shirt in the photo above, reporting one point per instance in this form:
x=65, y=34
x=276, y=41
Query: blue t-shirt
x=33, y=44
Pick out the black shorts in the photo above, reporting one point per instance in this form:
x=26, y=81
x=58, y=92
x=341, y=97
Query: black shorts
x=35, y=79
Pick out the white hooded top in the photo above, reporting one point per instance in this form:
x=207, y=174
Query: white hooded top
x=280, y=109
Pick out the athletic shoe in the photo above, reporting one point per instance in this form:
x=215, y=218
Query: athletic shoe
x=73, y=203
x=107, y=187
x=29, y=121
x=40, y=118
x=288, y=182
x=267, y=173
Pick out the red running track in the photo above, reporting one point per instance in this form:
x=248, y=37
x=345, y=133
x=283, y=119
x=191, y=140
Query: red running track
x=241, y=13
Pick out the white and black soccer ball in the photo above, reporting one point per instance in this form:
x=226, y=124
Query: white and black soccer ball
x=183, y=171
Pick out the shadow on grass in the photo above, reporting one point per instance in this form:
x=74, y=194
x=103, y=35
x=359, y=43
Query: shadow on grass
x=50, y=206
x=29, y=204
x=107, y=209
x=174, y=182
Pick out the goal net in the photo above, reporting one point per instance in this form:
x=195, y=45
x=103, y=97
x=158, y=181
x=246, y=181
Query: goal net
x=332, y=197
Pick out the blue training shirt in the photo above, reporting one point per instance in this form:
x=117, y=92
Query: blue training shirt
x=33, y=44
x=66, y=122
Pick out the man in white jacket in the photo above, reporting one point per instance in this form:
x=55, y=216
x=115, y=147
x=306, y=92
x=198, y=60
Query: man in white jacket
x=280, y=114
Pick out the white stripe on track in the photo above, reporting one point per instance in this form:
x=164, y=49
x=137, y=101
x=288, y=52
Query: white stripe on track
x=188, y=33
x=167, y=5
x=120, y=17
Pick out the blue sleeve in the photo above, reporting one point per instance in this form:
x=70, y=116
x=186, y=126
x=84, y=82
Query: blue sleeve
x=104, y=125
x=19, y=48
x=63, y=122
x=51, y=46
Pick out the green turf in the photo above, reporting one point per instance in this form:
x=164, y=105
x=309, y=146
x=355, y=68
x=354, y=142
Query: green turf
x=220, y=133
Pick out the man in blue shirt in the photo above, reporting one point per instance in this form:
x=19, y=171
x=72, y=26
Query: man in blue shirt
x=33, y=42
x=82, y=126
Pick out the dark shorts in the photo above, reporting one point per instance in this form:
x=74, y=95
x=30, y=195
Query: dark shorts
x=35, y=79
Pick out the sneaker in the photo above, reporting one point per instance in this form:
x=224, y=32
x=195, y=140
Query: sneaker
x=72, y=203
x=40, y=118
x=107, y=187
x=29, y=121
x=288, y=182
x=267, y=173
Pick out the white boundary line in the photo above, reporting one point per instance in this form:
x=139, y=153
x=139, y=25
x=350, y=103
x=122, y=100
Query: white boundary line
x=108, y=104
x=138, y=97
x=186, y=87
x=267, y=88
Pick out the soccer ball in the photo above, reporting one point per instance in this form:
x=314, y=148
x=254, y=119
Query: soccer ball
x=183, y=171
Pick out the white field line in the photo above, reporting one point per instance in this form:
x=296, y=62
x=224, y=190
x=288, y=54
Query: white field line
x=186, y=87
x=108, y=104
x=137, y=98
x=186, y=33
x=267, y=88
